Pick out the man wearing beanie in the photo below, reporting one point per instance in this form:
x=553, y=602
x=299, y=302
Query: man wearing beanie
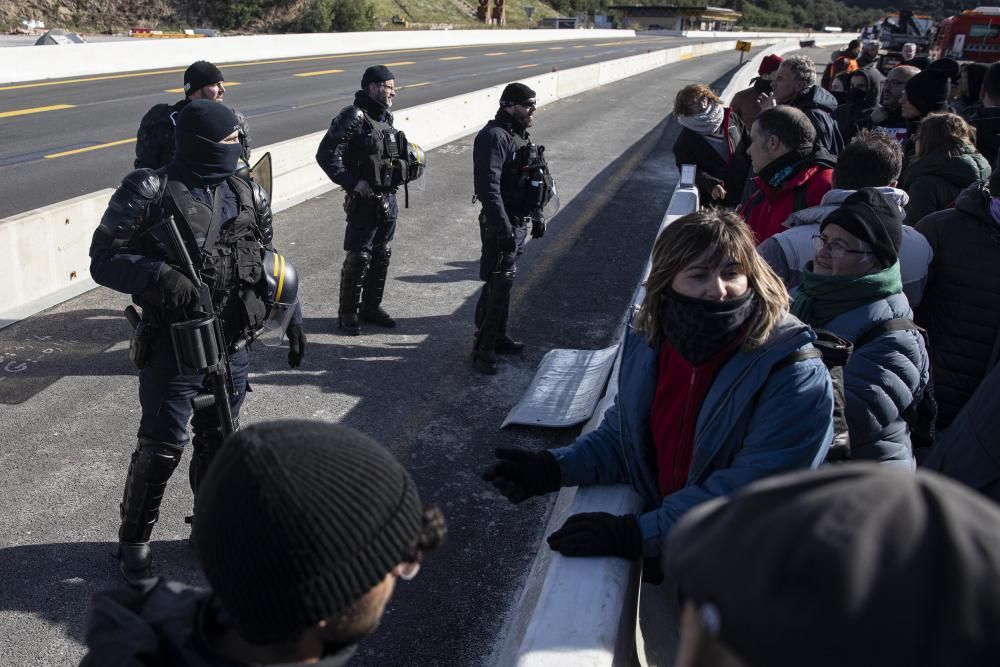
x=365, y=155
x=303, y=530
x=961, y=305
x=846, y=565
x=747, y=103
x=226, y=222
x=513, y=185
x=154, y=145
x=853, y=288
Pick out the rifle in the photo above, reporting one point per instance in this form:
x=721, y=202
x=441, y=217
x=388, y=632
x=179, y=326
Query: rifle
x=199, y=345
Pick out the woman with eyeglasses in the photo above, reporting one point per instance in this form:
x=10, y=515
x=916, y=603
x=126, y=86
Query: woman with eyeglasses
x=852, y=288
x=708, y=399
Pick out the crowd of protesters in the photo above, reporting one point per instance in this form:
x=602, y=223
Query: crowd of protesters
x=855, y=219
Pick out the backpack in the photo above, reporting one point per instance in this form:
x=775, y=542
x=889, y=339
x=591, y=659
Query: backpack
x=835, y=353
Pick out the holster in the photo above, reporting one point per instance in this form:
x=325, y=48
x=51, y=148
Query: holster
x=140, y=343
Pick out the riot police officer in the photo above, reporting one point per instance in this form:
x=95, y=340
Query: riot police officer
x=224, y=226
x=364, y=154
x=154, y=142
x=513, y=184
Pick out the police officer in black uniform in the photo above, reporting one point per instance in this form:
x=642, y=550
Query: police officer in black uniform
x=225, y=222
x=154, y=142
x=513, y=184
x=361, y=152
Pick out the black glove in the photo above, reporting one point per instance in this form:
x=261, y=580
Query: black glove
x=296, y=344
x=537, y=227
x=506, y=241
x=176, y=289
x=520, y=473
x=598, y=534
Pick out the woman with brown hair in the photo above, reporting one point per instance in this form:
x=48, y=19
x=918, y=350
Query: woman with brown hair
x=946, y=162
x=708, y=399
x=715, y=141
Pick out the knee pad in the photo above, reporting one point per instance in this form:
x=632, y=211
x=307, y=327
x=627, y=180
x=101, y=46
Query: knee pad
x=357, y=261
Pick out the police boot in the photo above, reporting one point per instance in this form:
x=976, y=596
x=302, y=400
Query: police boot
x=352, y=281
x=151, y=466
x=371, y=303
x=505, y=344
x=485, y=356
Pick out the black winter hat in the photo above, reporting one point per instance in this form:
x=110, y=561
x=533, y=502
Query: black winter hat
x=376, y=74
x=928, y=91
x=947, y=67
x=297, y=520
x=208, y=119
x=516, y=93
x=867, y=215
x=848, y=565
x=200, y=74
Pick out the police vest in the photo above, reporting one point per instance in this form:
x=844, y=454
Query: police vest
x=229, y=258
x=381, y=156
x=525, y=183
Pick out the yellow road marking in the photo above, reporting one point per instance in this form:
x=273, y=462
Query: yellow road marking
x=227, y=84
x=25, y=112
x=416, y=85
x=452, y=58
x=496, y=53
x=526, y=66
x=400, y=63
x=686, y=56
x=320, y=72
x=613, y=43
x=581, y=46
x=528, y=50
x=555, y=48
x=91, y=148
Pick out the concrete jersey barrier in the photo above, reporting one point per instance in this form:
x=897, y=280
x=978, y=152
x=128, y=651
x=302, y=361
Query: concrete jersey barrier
x=30, y=63
x=49, y=268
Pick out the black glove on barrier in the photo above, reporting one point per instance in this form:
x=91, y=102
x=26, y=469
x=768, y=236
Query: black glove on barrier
x=537, y=228
x=598, y=534
x=520, y=474
x=296, y=344
x=176, y=289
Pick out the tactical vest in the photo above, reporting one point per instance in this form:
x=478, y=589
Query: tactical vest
x=525, y=183
x=228, y=258
x=381, y=156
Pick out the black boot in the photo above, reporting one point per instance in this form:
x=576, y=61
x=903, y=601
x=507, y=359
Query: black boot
x=151, y=466
x=497, y=294
x=352, y=281
x=371, y=302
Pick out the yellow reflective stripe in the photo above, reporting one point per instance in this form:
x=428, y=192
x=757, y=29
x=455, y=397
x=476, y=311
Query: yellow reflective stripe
x=281, y=277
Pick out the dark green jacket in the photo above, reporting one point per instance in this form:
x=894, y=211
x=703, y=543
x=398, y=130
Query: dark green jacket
x=934, y=181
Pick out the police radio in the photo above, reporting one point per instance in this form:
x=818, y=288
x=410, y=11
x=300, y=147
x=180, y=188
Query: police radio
x=537, y=188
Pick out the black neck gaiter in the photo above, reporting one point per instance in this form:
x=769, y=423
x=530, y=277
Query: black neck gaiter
x=699, y=329
x=208, y=162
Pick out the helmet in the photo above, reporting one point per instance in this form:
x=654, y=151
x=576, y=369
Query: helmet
x=416, y=161
x=282, y=280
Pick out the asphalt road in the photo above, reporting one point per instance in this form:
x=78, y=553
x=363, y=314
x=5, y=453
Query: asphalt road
x=64, y=138
x=70, y=409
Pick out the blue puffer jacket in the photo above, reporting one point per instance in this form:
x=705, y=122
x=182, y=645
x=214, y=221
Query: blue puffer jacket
x=755, y=421
x=881, y=380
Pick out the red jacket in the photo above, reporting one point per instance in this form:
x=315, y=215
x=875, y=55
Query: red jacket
x=769, y=207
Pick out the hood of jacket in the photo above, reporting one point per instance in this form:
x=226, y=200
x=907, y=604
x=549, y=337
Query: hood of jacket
x=960, y=170
x=833, y=199
x=975, y=202
x=804, y=170
x=815, y=97
x=874, y=85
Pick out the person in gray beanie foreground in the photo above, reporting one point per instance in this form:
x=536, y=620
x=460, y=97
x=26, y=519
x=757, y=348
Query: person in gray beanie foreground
x=302, y=530
x=853, y=564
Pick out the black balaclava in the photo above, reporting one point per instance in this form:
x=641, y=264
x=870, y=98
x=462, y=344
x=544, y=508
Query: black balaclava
x=201, y=126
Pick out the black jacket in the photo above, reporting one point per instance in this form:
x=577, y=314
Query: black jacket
x=732, y=171
x=346, y=130
x=819, y=105
x=494, y=147
x=961, y=304
x=849, y=115
x=987, y=124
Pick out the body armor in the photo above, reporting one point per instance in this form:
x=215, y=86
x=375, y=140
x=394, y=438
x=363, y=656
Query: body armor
x=526, y=183
x=379, y=154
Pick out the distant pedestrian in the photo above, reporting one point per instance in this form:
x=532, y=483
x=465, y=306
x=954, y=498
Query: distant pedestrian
x=749, y=102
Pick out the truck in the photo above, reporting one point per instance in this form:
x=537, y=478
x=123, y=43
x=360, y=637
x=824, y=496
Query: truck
x=972, y=36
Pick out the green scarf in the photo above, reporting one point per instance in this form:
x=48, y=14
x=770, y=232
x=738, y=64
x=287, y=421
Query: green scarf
x=821, y=298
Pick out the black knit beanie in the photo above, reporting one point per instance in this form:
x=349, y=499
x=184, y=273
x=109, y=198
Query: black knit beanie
x=297, y=520
x=207, y=119
x=928, y=91
x=199, y=75
x=947, y=67
x=376, y=74
x=868, y=216
x=846, y=565
x=516, y=93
